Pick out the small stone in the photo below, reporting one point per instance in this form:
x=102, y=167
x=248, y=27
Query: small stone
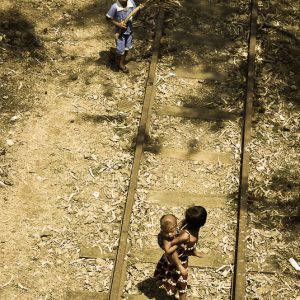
x=115, y=138
x=45, y=234
x=14, y=118
x=73, y=76
x=8, y=182
x=285, y=128
x=9, y=142
x=90, y=157
x=96, y=194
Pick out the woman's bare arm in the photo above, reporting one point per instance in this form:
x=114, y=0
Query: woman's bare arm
x=183, y=237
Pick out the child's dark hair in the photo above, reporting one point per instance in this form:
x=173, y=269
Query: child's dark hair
x=195, y=217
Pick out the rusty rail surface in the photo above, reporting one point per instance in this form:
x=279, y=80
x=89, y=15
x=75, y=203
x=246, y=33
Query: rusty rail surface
x=239, y=280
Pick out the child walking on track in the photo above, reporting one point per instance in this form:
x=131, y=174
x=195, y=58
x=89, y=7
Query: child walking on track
x=170, y=278
x=117, y=13
x=168, y=226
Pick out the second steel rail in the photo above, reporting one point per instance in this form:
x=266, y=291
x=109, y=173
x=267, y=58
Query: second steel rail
x=239, y=279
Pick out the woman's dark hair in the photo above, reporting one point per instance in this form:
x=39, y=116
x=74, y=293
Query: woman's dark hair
x=195, y=217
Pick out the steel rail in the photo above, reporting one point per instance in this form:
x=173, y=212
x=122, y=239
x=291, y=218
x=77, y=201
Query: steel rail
x=239, y=278
x=119, y=272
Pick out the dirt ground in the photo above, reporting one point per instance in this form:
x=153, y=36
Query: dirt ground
x=64, y=122
x=67, y=127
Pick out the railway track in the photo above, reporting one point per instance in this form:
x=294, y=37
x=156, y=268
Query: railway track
x=191, y=147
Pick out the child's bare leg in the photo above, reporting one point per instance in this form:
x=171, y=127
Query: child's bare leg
x=177, y=262
x=125, y=54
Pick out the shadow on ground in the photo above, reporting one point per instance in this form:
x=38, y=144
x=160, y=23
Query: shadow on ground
x=19, y=44
x=280, y=48
x=107, y=59
x=102, y=118
x=150, y=289
x=18, y=35
x=153, y=145
x=93, y=12
x=282, y=211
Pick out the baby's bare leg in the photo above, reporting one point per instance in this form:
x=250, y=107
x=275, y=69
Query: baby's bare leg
x=182, y=296
x=177, y=262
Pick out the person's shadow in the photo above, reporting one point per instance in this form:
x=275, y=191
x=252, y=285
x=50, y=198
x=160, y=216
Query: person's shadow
x=107, y=58
x=150, y=288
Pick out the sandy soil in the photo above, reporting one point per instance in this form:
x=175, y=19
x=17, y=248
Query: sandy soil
x=67, y=126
